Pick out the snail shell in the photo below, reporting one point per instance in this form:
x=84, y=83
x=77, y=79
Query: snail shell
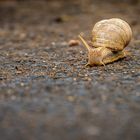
x=109, y=38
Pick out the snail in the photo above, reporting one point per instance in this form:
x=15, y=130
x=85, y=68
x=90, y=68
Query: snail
x=109, y=38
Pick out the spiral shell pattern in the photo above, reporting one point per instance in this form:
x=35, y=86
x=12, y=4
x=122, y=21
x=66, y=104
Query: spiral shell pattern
x=112, y=33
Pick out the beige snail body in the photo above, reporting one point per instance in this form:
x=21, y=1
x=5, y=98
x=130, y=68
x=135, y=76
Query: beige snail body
x=109, y=38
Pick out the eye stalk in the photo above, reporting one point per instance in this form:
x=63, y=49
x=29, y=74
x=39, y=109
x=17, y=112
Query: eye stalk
x=84, y=42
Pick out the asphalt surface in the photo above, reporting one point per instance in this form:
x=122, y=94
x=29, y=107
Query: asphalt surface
x=47, y=93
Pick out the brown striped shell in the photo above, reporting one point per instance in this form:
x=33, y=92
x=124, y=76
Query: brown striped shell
x=111, y=33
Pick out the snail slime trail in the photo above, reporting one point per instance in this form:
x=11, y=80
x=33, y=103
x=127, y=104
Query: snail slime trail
x=109, y=38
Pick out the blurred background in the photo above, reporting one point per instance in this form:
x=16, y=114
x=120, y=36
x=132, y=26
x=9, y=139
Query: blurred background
x=66, y=12
x=46, y=93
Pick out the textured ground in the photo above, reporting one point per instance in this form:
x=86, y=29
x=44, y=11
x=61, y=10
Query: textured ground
x=46, y=92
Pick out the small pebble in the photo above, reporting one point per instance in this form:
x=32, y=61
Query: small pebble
x=53, y=43
x=71, y=98
x=22, y=84
x=74, y=42
x=74, y=79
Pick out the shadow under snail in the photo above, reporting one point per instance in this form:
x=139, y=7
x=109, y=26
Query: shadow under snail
x=109, y=38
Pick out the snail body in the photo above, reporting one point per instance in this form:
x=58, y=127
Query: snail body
x=109, y=38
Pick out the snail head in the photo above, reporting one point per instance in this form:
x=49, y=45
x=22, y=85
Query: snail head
x=95, y=55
